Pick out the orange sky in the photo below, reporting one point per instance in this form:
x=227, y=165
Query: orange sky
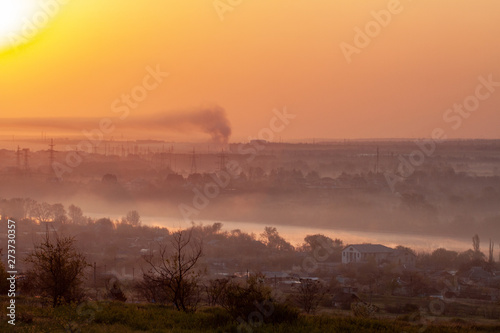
x=265, y=55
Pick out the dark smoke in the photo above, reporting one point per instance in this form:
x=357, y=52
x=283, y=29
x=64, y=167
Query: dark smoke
x=208, y=120
x=212, y=121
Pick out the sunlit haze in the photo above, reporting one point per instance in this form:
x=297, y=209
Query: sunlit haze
x=261, y=56
x=250, y=165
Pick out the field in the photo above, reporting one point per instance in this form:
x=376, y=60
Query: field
x=124, y=318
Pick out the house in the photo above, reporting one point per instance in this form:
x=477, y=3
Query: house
x=478, y=275
x=359, y=253
x=363, y=253
x=275, y=277
x=343, y=300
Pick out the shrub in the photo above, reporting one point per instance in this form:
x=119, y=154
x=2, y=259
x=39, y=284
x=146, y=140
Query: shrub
x=363, y=310
x=57, y=270
x=253, y=302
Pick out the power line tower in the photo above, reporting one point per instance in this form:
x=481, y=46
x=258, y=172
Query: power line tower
x=161, y=160
x=162, y=157
x=222, y=160
x=26, y=160
x=51, y=153
x=193, y=162
x=376, y=164
x=170, y=156
x=173, y=159
x=18, y=157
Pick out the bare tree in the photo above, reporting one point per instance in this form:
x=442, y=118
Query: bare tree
x=174, y=269
x=310, y=294
x=57, y=270
x=43, y=212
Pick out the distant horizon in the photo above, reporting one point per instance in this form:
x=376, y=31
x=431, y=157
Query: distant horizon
x=304, y=140
x=404, y=80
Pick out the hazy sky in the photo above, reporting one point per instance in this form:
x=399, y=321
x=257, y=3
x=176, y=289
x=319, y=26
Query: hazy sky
x=266, y=54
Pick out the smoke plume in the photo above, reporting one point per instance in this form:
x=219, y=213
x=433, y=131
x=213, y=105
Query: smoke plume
x=209, y=120
x=212, y=121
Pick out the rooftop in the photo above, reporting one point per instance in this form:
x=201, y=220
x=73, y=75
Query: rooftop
x=370, y=248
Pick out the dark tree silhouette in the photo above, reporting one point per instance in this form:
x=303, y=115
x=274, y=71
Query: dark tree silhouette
x=274, y=241
x=475, y=243
x=310, y=294
x=115, y=292
x=215, y=290
x=490, y=252
x=75, y=214
x=133, y=218
x=57, y=270
x=43, y=212
x=109, y=179
x=4, y=283
x=174, y=270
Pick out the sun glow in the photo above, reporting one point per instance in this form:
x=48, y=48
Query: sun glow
x=19, y=21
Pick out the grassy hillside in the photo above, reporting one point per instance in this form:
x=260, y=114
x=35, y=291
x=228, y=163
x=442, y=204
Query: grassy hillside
x=124, y=318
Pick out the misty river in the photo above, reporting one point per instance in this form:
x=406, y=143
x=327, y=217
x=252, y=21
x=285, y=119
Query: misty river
x=295, y=234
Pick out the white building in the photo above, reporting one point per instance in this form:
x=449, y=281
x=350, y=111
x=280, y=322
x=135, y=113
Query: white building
x=361, y=253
